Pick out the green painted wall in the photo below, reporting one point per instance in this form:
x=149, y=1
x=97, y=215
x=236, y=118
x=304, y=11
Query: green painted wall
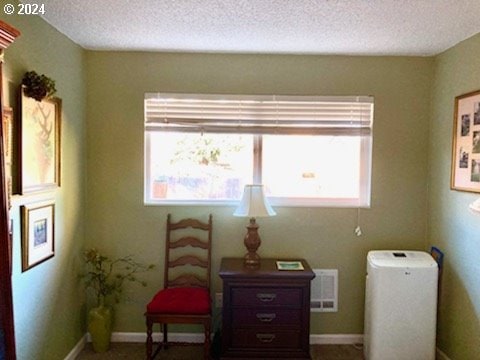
x=49, y=306
x=119, y=223
x=452, y=227
x=48, y=302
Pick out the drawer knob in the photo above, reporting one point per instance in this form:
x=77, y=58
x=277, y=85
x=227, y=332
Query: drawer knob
x=266, y=317
x=266, y=338
x=265, y=297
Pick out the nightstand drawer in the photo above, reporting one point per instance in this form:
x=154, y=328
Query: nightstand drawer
x=270, y=317
x=266, y=338
x=244, y=296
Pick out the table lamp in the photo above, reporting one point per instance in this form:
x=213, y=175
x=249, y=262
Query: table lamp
x=253, y=205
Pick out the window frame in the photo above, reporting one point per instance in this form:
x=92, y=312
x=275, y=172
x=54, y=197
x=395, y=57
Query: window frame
x=358, y=128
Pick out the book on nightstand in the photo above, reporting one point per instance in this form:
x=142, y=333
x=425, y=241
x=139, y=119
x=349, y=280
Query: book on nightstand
x=289, y=265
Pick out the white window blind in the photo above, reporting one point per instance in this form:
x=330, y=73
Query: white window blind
x=259, y=114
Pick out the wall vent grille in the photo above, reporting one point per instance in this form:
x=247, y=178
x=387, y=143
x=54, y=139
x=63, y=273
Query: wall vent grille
x=324, y=293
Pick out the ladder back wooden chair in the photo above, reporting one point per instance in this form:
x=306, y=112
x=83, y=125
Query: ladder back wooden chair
x=185, y=298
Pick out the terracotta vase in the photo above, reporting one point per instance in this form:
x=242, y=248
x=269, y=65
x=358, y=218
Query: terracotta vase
x=100, y=321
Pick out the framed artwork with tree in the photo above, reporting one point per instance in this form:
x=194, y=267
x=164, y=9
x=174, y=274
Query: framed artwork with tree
x=39, y=156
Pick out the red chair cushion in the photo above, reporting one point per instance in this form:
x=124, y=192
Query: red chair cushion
x=182, y=300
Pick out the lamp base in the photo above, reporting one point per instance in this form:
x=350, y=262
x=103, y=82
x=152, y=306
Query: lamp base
x=252, y=243
x=251, y=260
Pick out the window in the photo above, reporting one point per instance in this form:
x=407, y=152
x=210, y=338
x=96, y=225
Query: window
x=307, y=151
x=196, y=167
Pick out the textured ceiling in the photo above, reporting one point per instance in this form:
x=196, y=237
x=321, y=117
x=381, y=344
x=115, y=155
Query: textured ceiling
x=364, y=27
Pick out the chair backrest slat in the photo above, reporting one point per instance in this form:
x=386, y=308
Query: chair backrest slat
x=187, y=280
x=188, y=260
x=193, y=223
x=189, y=241
x=177, y=258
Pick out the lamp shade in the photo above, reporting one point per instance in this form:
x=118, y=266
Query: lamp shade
x=254, y=203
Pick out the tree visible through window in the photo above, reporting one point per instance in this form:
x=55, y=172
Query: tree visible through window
x=199, y=167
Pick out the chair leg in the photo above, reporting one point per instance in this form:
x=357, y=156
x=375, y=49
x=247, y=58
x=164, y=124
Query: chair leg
x=207, y=342
x=149, y=339
x=165, y=336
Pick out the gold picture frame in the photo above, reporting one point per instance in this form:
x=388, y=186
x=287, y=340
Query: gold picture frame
x=465, y=173
x=38, y=233
x=39, y=157
x=7, y=128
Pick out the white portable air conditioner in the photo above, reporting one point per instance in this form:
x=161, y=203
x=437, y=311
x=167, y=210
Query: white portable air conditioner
x=400, y=306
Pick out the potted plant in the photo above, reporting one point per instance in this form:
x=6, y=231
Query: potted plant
x=37, y=86
x=105, y=278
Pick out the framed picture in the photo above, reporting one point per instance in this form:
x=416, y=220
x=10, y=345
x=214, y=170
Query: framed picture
x=39, y=144
x=38, y=233
x=465, y=174
x=7, y=129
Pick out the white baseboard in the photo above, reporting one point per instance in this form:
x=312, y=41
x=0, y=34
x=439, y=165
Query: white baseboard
x=140, y=337
x=441, y=355
x=336, y=339
x=136, y=337
x=72, y=355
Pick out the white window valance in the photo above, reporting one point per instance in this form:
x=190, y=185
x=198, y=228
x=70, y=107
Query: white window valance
x=259, y=114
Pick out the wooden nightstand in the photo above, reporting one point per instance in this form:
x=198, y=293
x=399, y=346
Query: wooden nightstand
x=266, y=311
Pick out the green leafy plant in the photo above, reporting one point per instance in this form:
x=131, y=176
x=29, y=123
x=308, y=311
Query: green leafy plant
x=105, y=277
x=37, y=86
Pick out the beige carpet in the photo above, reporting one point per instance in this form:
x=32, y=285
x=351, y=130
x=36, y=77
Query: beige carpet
x=134, y=351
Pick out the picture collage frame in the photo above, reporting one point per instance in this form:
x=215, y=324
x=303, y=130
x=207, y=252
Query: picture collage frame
x=465, y=174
